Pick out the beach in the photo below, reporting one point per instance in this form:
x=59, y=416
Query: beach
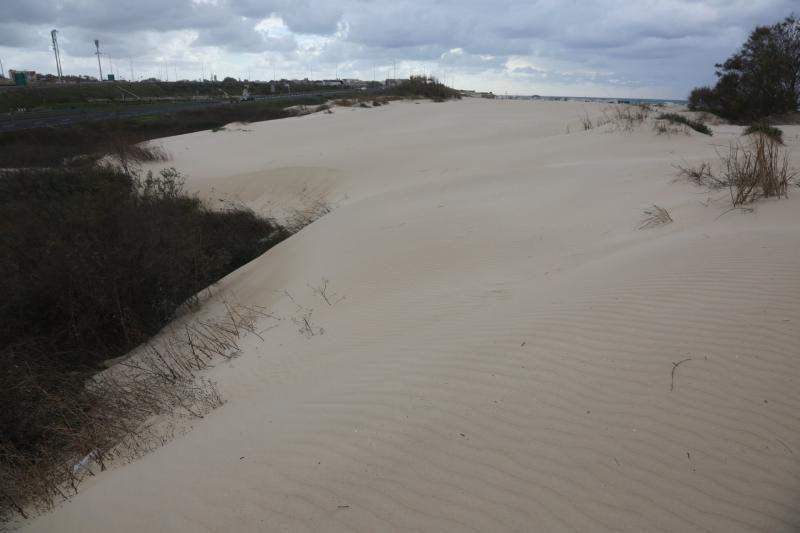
x=484, y=334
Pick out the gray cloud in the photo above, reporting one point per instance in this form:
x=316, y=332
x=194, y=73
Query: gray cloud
x=666, y=44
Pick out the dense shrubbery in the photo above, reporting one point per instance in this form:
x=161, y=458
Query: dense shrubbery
x=696, y=125
x=51, y=146
x=424, y=87
x=94, y=262
x=761, y=79
x=90, y=95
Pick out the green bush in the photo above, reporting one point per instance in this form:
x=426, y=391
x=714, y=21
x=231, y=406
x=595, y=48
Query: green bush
x=696, y=125
x=764, y=128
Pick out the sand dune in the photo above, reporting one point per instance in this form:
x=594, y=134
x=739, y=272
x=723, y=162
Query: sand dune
x=502, y=356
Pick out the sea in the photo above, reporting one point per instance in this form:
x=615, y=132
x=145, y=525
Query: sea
x=608, y=100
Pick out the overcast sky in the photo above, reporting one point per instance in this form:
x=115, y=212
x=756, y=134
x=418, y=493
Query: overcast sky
x=645, y=48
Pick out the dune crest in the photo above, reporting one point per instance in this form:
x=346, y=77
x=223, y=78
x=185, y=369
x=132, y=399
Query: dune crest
x=503, y=348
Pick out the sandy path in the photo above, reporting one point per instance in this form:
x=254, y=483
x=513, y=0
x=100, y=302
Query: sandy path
x=502, y=357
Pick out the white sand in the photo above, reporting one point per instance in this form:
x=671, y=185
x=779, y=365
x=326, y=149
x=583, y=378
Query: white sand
x=502, y=358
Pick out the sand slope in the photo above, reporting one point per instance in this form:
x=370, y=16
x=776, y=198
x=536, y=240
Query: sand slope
x=502, y=357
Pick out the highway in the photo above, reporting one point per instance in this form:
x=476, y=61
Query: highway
x=54, y=119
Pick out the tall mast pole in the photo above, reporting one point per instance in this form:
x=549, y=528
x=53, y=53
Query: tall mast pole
x=99, y=66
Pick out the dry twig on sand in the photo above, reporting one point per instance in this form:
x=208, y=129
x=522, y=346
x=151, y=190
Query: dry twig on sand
x=322, y=291
x=306, y=326
x=674, y=368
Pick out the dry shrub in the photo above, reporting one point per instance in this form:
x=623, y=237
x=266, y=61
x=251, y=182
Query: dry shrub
x=759, y=169
x=701, y=175
x=663, y=127
x=120, y=414
x=657, y=216
x=130, y=154
x=587, y=123
x=313, y=209
x=696, y=125
x=298, y=110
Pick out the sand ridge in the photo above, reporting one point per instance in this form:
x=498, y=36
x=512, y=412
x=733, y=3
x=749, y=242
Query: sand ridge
x=502, y=358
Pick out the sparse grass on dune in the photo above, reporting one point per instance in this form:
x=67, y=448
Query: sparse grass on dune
x=758, y=168
x=620, y=118
x=696, y=125
x=628, y=118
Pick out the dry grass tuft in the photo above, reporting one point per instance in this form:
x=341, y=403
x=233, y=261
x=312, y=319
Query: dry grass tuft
x=758, y=170
x=701, y=175
x=628, y=118
x=657, y=216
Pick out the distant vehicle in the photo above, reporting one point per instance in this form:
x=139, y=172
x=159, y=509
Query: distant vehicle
x=246, y=96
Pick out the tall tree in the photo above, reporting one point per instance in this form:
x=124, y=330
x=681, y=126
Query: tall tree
x=762, y=78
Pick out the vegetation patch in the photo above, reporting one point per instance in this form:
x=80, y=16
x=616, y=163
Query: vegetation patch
x=423, y=87
x=763, y=128
x=758, y=170
x=701, y=175
x=675, y=118
x=96, y=260
x=42, y=147
x=761, y=79
x=656, y=216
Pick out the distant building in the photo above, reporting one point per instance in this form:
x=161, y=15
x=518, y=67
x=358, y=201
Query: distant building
x=22, y=77
x=393, y=82
x=354, y=82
